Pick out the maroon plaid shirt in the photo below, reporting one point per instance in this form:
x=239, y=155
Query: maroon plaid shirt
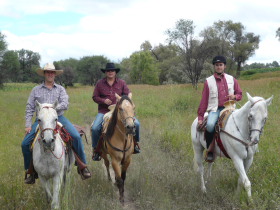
x=103, y=91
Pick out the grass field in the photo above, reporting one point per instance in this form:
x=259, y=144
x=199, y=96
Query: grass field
x=162, y=176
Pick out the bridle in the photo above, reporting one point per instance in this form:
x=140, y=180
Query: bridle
x=55, y=131
x=125, y=135
x=124, y=119
x=250, y=125
x=250, y=130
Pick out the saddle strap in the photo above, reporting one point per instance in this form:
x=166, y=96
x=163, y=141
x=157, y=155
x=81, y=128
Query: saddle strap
x=221, y=146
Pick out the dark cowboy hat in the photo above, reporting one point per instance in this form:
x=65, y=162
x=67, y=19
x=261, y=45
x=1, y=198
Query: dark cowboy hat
x=49, y=67
x=110, y=66
x=219, y=59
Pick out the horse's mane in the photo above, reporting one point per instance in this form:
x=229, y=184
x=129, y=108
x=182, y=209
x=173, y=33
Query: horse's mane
x=113, y=121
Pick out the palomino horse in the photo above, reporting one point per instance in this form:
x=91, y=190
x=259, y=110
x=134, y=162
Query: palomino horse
x=49, y=158
x=240, y=138
x=118, y=141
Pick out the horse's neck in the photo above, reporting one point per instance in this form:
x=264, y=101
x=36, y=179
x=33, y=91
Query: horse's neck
x=240, y=118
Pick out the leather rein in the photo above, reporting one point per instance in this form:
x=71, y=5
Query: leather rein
x=240, y=140
x=55, y=131
x=125, y=135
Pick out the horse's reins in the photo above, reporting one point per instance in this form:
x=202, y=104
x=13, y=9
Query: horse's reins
x=124, y=150
x=55, y=131
x=239, y=140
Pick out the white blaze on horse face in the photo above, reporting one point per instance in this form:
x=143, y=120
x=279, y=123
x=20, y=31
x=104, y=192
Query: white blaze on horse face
x=128, y=116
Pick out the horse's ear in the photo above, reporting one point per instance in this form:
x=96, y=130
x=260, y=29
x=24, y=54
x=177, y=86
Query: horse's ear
x=38, y=105
x=269, y=100
x=55, y=104
x=250, y=98
x=117, y=97
x=130, y=95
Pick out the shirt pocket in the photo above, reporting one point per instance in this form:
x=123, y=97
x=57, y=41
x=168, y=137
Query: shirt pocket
x=213, y=94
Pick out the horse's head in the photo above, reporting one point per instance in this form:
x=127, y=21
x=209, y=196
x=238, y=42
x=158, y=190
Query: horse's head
x=257, y=116
x=126, y=113
x=47, y=119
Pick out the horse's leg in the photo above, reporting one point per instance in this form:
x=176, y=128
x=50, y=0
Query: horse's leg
x=46, y=185
x=57, y=180
x=119, y=180
x=209, y=170
x=198, y=157
x=107, y=164
x=247, y=164
x=243, y=178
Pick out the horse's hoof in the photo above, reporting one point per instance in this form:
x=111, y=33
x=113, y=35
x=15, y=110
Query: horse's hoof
x=203, y=189
x=122, y=201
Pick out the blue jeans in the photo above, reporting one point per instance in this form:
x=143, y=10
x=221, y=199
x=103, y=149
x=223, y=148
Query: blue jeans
x=212, y=120
x=96, y=129
x=77, y=141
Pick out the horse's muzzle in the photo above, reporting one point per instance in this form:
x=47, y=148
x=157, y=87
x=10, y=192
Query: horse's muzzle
x=49, y=145
x=130, y=129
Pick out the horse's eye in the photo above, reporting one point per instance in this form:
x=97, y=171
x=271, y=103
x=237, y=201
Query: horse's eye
x=56, y=119
x=39, y=120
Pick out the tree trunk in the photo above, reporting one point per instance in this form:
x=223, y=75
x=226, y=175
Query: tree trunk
x=238, y=70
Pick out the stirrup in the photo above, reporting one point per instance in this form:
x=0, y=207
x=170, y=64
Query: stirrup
x=209, y=157
x=136, y=149
x=96, y=156
x=30, y=179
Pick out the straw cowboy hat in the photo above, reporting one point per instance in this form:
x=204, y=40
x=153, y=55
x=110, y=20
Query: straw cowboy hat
x=110, y=66
x=49, y=67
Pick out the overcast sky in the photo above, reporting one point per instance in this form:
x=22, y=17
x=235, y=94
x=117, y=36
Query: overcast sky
x=60, y=29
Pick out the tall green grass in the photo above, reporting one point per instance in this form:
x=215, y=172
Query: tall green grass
x=162, y=176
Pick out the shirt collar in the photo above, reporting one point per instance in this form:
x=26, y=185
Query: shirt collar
x=219, y=76
x=105, y=80
x=43, y=85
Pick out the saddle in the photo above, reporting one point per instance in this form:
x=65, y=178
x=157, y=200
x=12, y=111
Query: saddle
x=67, y=142
x=223, y=118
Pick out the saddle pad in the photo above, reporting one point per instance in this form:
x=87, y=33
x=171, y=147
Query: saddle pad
x=224, y=117
x=107, y=117
x=36, y=137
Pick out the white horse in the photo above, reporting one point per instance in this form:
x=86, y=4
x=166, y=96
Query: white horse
x=240, y=138
x=50, y=160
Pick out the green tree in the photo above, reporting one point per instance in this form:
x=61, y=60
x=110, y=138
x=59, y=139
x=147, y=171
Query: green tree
x=27, y=60
x=89, y=69
x=169, y=64
x=193, y=52
x=144, y=69
x=70, y=73
x=11, y=66
x=233, y=42
x=3, y=47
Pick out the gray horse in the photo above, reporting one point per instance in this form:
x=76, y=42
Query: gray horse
x=49, y=157
x=240, y=139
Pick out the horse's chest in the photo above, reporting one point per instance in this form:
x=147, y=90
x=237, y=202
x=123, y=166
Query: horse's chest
x=47, y=165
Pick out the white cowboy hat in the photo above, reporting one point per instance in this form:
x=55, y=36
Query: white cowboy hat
x=49, y=67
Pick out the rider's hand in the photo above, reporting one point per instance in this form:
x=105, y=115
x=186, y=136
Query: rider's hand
x=231, y=97
x=108, y=101
x=27, y=130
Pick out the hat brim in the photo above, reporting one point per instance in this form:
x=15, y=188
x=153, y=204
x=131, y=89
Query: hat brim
x=104, y=70
x=41, y=72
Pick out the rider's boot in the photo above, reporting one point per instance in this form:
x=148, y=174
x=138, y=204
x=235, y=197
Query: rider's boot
x=210, y=147
x=95, y=155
